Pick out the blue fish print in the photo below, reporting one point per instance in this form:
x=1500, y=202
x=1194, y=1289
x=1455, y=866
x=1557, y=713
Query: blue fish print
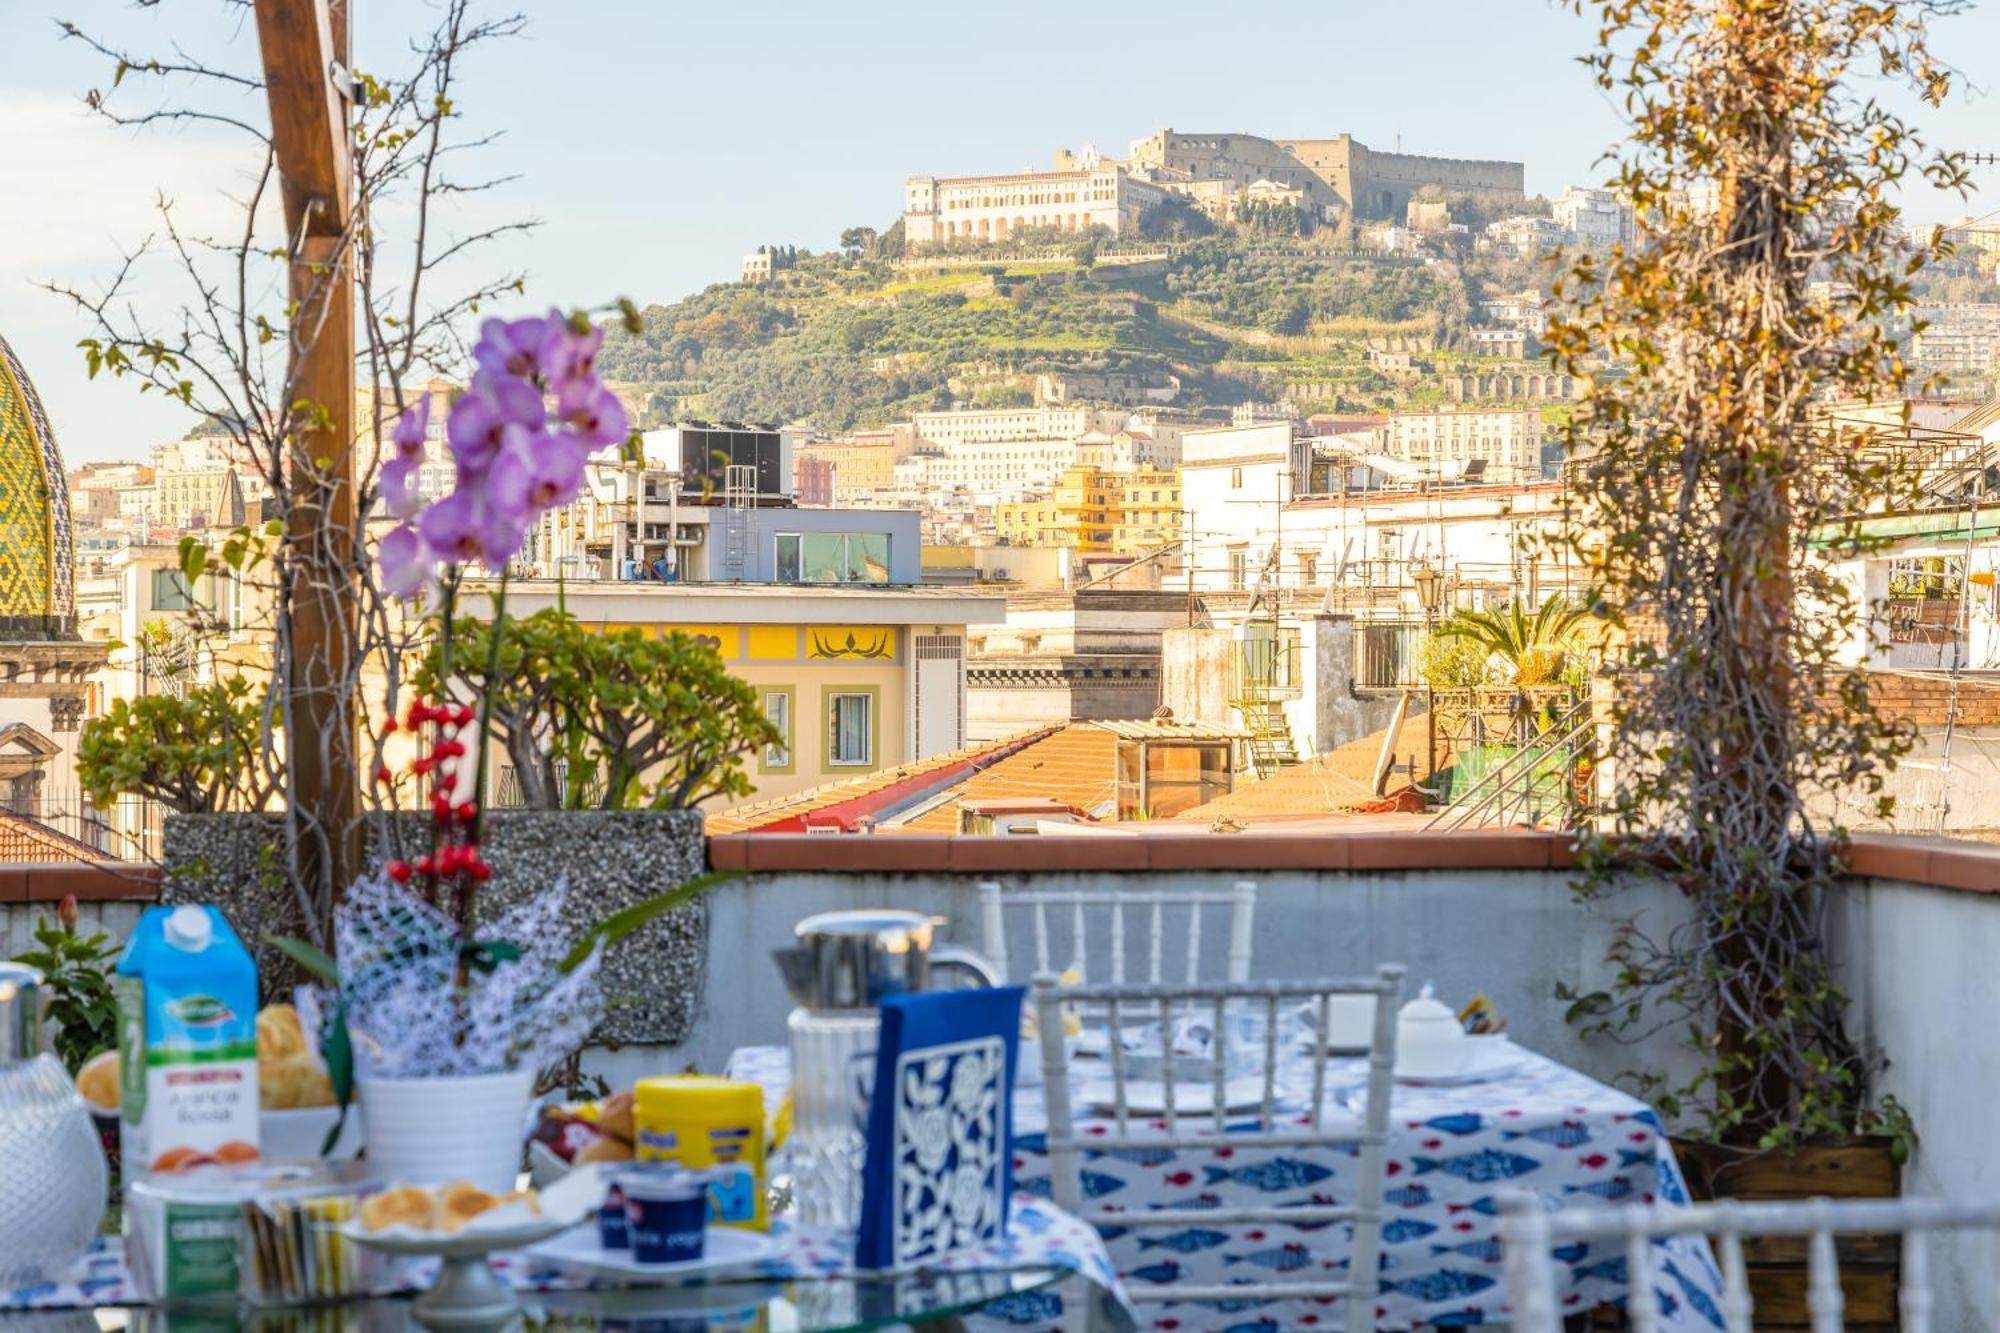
x=1631, y=1157
x=1105, y=1232
x=1462, y=1122
x=1405, y=1229
x=1185, y=1242
x=1036, y=1185
x=1696, y=1297
x=1237, y=1306
x=1569, y=1134
x=1027, y=1219
x=1038, y=1143
x=1143, y=1156
x=1487, y=1164
x=1195, y=1203
x=1615, y=1188
x=1443, y=1285
x=1256, y=1326
x=1408, y=1196
x=1162, y=1272
x=1460, y=1319
x=1486, y=1251
x=1028, y=1307
x=1096, y=1184
x=1284, y=1259
x=1280, y=1173
x=1604, y=1270
x=1570, y=1254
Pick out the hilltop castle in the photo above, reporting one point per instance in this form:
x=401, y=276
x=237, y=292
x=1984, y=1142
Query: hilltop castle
x=1333, y=177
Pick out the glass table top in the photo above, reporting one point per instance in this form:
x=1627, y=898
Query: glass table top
x=927, y=1301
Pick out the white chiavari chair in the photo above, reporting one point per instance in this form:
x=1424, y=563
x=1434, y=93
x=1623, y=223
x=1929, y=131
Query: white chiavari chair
x=1214, y=1126
x=1066, y=921
x=1529, y=1230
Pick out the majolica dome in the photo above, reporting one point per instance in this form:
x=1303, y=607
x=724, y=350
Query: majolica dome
x=37, y=550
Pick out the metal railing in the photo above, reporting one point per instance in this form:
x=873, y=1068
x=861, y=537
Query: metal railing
x=1535, y=781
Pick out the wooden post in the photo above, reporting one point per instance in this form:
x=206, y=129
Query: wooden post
x=303, y=43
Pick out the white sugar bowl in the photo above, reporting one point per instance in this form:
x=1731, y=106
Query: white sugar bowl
x=1430, y=1043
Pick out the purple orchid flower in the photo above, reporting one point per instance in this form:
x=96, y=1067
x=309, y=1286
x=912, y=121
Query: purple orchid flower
x=397, y=481
x=594, y=412
x=406, y=562
x=450, y=527
x=545, y=474
x=412, y=429
x=569, y=357
x=510, y=347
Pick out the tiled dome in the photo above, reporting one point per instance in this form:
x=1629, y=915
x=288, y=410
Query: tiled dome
x=37, y=550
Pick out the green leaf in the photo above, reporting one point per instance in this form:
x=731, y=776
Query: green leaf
x=620, y=924
x=194, y=559
x=309, y=956
x=338, y=1051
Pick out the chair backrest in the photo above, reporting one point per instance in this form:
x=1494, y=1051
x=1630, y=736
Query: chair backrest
x=1073, y=917
x=1528, y=1231
x=1203, y=1130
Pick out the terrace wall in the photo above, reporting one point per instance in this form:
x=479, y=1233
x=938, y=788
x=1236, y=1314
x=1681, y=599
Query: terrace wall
x=1914, y=935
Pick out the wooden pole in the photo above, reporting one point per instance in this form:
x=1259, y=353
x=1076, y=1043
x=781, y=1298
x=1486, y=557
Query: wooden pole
x=305, y=52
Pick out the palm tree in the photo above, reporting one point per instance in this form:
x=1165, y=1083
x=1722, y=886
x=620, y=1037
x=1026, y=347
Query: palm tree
x=1533, y=645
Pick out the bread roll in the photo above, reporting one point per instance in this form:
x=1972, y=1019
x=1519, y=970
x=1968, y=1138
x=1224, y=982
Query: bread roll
x=406, y=1204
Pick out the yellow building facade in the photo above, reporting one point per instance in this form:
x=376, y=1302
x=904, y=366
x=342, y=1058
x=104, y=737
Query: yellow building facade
x=1096, y=511
x=857, y=679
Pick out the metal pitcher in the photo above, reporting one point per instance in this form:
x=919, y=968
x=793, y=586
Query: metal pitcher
x=848, y=961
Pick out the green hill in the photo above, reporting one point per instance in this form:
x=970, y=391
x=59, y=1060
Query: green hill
x=839, y=341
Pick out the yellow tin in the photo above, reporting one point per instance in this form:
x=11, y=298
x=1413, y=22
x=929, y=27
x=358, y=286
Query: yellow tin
x=708, y=1124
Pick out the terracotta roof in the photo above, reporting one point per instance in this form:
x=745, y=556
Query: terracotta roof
x=1336, y=781
x=1076, y=765
x=24, y=839
x=862, y=796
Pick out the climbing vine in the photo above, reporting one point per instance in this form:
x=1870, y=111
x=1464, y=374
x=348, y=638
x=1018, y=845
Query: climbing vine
x=1769, y=272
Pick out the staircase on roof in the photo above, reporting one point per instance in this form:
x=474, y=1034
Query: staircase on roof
x=1266, y=669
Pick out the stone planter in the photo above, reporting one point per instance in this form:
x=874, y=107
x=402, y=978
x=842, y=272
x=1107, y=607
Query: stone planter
x=613, y=858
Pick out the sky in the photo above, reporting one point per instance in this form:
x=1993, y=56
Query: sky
x=657, y=141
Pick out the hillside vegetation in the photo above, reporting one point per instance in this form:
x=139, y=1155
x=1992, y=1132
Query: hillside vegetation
x=839, y=341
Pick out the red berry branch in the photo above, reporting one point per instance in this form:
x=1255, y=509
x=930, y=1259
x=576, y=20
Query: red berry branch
x=454, y=860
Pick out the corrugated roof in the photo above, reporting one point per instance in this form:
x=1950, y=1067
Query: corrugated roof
x=1171, y=731
x=800, y=805
x=1327, y=784
x=1076, y=765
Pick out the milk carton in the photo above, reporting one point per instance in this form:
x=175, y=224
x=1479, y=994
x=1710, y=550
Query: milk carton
x=187, y=1043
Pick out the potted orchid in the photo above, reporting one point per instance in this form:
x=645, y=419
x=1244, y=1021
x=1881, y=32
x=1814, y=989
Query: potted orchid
x=444, y=1018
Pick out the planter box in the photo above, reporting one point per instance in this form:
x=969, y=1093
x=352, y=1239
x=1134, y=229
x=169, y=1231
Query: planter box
x=613, y=858
x=1870, y=1265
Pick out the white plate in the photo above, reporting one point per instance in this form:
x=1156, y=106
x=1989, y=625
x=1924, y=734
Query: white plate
x=1149, y=1096
x=458, y=1244
x=1487, y=1058
x=724, y=1250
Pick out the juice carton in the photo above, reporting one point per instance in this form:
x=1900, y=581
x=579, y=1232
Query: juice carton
x=187, y=1043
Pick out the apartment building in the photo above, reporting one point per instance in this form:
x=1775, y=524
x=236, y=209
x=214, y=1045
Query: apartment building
x=1095, y=511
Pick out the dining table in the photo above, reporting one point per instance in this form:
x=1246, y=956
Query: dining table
x=1048, y=1264
x=1455, y=1146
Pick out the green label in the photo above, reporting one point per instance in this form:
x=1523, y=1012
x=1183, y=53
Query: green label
x=196, y=1055
x=201, y=1249
x=130, y=992
x=199, y=1011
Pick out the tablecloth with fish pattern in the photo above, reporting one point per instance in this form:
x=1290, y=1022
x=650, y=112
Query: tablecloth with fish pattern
x=1541, y=1127
x=1039, y=1235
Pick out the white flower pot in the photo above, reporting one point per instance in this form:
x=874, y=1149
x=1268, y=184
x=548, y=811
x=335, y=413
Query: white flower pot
x=430, y=1131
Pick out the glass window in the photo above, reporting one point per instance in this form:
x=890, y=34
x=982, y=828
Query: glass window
x=778, y=708
x=170, y=591
x=851, y=737
x=868, y=557
x=788, y=557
